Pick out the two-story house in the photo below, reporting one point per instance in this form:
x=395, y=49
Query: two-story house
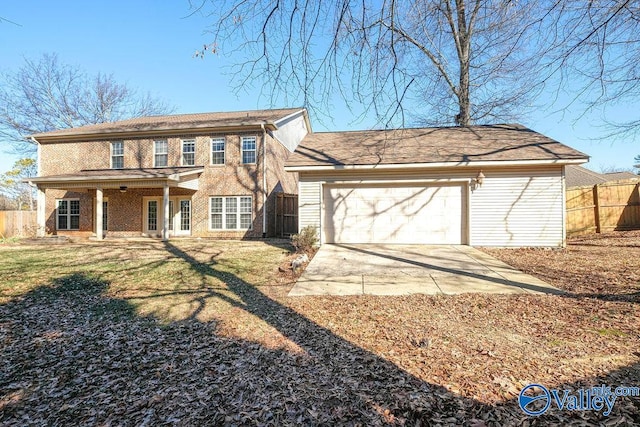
x=208, y=175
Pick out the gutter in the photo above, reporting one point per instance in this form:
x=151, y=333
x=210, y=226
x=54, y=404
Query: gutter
x=404, y=166
x=70, y=136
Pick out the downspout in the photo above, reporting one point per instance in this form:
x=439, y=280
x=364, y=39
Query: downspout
x=41, y=219
x=38, y=167
x=264, y=181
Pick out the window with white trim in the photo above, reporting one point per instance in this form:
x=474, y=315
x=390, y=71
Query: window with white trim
x=230, y=213
x=68, y=214
x=189, y=152
x=160, y=153
x=248, y=149
x=217, y=151
x=117, y=155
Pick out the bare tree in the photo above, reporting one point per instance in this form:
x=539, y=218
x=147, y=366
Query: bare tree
x=45, y=94
x=594, y=46
x=6, y=204
x=20, y=192
x=449, y=61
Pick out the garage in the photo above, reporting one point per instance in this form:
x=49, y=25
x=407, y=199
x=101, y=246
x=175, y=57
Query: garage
x=394, y=214
x=493, y=185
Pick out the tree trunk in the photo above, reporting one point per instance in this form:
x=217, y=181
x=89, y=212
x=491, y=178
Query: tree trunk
x=464, y=46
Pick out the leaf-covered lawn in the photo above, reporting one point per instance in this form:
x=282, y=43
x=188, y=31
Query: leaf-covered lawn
x=201, y=332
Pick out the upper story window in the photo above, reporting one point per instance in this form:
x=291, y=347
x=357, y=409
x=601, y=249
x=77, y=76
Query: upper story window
x=248, y=149
x=188, y=152
x=117, y=155
x=217, y=151
x=160, y=154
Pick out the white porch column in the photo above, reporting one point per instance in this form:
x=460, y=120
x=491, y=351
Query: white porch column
x=165, y=213
x=41, y=216
x=99, y=234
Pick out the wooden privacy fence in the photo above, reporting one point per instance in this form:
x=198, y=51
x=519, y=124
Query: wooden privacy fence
x=286, y=214
x=604, y=207
x=17, y=223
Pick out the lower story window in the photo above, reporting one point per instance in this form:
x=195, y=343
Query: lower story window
x=231, y=213
x=68, y=214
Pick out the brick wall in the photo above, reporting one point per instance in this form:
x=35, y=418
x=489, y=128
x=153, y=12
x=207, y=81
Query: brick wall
x=126, y=209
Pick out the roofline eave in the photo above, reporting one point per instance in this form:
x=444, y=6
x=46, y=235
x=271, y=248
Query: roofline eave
x=174, y=177
x=400, y=166
x=159, y=132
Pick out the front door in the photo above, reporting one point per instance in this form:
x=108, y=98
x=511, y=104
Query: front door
x=179, y=216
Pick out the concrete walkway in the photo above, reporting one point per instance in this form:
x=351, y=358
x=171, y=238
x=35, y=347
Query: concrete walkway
x=411, y=269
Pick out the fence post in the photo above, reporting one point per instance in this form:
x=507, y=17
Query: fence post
x=596, y=202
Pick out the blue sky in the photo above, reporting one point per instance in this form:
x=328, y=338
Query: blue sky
x=150, y=45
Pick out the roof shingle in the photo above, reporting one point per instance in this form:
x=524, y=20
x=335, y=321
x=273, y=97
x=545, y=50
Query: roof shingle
x=577, y=176
x=177, y=121
x=429, y=145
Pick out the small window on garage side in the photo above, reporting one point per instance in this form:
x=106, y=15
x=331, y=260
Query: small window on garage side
x=68, y=214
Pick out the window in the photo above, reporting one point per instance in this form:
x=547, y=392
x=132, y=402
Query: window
x=171, y=215
x=68, y=214
x=188, y=152
x=105, y=216
x=217, y=151
x=152, y=215
x=185, y=215
x=117, y=155
x=231, y=213
x=161, y=154
x=248, y=149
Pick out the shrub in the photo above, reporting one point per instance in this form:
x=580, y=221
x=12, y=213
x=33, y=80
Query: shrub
x=306, y=240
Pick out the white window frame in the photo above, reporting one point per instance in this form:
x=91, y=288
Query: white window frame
x=223, y=151
x=238, y=212
x=68, y=215
x=254, y=150
x=180, y=224
x=156, y=153
x=182, y=152
x=113, y=155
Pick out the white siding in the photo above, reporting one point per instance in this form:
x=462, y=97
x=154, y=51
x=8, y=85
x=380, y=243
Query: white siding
x=518, y=208
x=309, y=199
x=514, y=206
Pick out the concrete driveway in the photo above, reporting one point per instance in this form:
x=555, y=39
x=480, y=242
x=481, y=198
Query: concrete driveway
x=411, y=269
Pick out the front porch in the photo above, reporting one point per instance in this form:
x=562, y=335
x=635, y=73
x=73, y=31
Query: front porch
x=120, y=203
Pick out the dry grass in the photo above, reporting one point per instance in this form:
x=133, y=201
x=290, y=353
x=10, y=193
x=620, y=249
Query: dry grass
x=201, y=332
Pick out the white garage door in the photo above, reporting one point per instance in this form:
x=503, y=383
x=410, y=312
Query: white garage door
x=393, y=214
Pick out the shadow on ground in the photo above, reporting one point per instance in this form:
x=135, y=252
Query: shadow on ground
x=73, y=356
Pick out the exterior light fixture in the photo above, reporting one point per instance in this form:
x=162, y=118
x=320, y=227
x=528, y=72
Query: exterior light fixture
x=123, y=188
x=477, y=181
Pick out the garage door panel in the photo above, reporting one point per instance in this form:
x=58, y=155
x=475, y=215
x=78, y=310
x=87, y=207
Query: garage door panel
x=393, y=214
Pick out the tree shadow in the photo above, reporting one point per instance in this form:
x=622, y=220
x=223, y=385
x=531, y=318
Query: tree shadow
x=74, y=355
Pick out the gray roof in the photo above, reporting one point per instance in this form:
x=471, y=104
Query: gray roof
x=617, y=176
x=457, y=145
x=578, y=176
x=176, y=122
